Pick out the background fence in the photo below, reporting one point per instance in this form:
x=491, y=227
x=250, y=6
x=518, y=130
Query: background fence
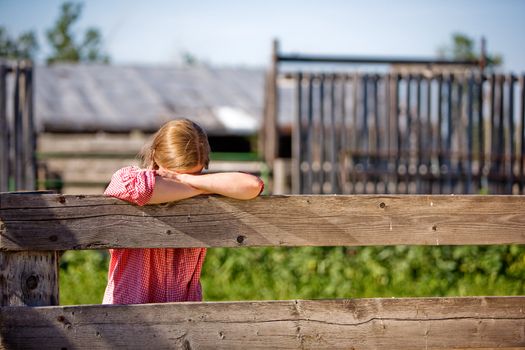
x=17, y=134
x=413, y=133
x=417, y=126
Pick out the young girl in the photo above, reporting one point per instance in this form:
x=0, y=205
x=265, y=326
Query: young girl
x=173, y=163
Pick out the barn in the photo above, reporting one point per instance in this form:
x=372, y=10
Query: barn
x=105, y=113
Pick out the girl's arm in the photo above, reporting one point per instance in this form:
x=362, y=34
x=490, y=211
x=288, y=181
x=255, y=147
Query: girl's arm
x=232, y=184
x=168, y=190
x=143, y=187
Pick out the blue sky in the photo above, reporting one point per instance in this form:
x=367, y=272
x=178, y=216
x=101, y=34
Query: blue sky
x=230, y=32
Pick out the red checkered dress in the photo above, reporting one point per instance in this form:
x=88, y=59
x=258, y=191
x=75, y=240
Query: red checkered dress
x=138, y=276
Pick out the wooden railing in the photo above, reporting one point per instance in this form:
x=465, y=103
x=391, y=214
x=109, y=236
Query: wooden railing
x=35, y=226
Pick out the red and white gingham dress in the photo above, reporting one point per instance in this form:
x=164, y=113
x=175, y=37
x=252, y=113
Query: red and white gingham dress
x=138, y=276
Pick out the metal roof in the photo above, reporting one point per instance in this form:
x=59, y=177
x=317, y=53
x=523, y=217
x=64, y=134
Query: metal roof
x=88, y=98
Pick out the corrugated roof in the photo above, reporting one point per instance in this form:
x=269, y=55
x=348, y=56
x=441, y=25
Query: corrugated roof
x=85, y=97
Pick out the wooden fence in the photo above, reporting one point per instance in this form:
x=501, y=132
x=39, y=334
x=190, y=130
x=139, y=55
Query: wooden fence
x=411, y=126
x=34, y=226
x=412, y=133
x=17, y=132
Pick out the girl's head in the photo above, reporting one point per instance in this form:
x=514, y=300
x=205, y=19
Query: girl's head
x=179, y=145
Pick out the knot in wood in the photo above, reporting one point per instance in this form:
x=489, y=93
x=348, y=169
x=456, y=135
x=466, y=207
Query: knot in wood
x=62, y=199
x=32, y=282
x=382, y=205
x=240, y=239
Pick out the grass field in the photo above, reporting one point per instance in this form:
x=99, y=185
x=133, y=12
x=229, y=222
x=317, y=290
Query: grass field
x=326, y=272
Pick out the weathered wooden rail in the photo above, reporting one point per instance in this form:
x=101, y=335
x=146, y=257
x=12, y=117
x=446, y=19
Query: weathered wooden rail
x=33, y=227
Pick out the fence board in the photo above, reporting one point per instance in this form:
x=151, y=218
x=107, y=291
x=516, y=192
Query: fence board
x=28, y=278
x=55, y=222
x=406, y=323
x=4, y=132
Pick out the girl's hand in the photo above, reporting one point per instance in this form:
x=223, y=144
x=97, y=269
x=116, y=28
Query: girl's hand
x=182, y=178
x=171, y=175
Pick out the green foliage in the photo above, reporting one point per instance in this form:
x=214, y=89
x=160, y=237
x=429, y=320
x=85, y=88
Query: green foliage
x=327, y=272
x=63, y=43
x=189, y=59
x=61, y=38
x=83, y=277
x=345, y=272
x=24, y=46
x=463, y=48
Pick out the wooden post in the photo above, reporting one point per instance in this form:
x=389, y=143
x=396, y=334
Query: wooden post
x=4, y=133
x=297, y=136
x=17, y=133
x=510, y=122
x=481, y=133
x=271, y=134
x=483, y=56
x=29, y=139
x=522, y=133
x=29, y=278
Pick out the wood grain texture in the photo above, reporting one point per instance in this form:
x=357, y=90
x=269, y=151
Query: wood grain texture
x=420, y=323
x=28, y=278
x=56, y=222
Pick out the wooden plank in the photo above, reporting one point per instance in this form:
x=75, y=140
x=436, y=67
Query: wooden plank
x=522, y=135
x=28, y=132
x=124, y=144
x=18, y=155
x=511, y=145
x=271, y=130
x=4, y=132
x=411, y=323
x=55, y=222
x=28, y=278
x=297, y=137
x=481, y=132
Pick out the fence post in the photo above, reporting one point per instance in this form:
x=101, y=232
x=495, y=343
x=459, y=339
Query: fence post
x=17, y=131
x=28, y=278
x=297, y=135
x=4, y=132
x=28, y=131
x=271, y=134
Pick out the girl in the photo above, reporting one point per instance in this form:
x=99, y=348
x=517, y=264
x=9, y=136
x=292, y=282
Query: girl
x=173, y=163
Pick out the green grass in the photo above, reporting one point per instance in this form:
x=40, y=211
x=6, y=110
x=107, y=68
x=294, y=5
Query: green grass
x=83, y=277
x=327, y=272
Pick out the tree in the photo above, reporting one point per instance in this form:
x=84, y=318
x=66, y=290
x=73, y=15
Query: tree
x=464, y=48
x=23, y=47
x=62, y=40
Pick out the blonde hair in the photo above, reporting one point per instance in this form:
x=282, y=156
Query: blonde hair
x=177, y=145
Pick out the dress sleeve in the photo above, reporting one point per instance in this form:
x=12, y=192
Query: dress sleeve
x=132, y=184
x=261, y=184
